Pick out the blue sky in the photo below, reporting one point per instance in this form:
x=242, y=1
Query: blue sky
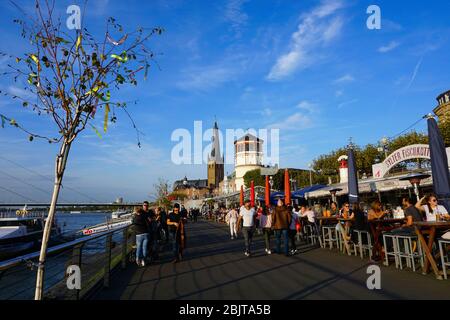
x=311, y=68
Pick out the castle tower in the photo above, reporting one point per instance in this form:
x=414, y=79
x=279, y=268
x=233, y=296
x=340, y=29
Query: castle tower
x=248, y=156
x=215, y=160
x=443, y=108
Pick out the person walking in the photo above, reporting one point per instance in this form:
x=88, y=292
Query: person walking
x=281, y=220
x=265, y=222
x=247, y=215
x=293, y=230
x=141, y=229
x=231, y=219
x=176, y=227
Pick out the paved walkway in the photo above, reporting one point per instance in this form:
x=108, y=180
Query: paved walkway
x=216, y=268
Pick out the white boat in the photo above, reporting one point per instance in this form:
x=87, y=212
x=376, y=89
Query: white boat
x=21, y=231
x=118, y=214
x=75, y=212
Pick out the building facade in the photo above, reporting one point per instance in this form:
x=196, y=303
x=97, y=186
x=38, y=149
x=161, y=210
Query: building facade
x=443, y=108
x=248, y=156
x=215, y=161
x=191, y=189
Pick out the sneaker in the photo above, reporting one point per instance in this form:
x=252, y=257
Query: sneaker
x=143, y=263
x=232, y=238
x=268, y=251
x=138, y=262
x=247, y=253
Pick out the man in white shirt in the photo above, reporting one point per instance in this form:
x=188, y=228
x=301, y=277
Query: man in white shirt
x=247, y=215
x=232, y=218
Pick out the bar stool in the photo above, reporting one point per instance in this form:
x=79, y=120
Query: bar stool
x=444, y=258
x=387, y=252
x=330, y=236
x=310, y=234
x=408, y=253
x=361, y=246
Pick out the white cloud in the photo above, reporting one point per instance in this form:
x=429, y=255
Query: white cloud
x=22, y=93
x=314, y=31
x=296, y=121
x=307, y=106
x=205, y=78
x=391, y=46
x=235, y=15
x=345, y=78
x=339, y=93
x=346, y=103
x=414, y=75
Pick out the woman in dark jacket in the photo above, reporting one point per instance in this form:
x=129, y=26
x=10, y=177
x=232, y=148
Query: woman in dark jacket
x=141, y=229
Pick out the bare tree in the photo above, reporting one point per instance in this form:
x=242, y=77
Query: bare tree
x=162, y=192
x=72, y=77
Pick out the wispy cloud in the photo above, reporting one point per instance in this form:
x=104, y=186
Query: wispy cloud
x=391, y=46
x=339, y=93
x=316, y=29
x=235, y=15
x=308, y=106
x=414, y=75
x=346, y=103
x=22, y=93
x=345, y=78
x=296, y=121
x=205, y=78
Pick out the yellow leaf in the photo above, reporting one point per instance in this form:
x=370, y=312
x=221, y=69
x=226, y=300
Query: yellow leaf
x=105, y=121
x=36, y=60
x=78, y=42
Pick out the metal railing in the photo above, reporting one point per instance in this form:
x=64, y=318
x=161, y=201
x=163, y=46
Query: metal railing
x=96, y=255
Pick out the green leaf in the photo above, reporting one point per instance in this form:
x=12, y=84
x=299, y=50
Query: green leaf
x=96, y=131
x=3, y=120
x=105, y=120
x=30, y=138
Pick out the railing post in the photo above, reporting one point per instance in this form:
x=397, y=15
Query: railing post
x=108, y=249
x=76, y=260
x=124, y=248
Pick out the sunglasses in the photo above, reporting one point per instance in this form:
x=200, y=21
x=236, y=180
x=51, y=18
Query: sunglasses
x=433, y=200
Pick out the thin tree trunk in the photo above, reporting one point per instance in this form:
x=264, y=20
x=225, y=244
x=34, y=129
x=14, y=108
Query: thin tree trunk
x=60, y=166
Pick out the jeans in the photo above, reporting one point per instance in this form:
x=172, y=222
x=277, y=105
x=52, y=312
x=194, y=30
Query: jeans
x=248, y=236
x=141, y=246
x=267, y=232
x=175, y=246
x=278, y=234
x=292, y=234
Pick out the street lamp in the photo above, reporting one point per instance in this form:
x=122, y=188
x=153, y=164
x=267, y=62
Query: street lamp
x=414, y=179
x=310, y=173
x=384, y=143
x=271, y=182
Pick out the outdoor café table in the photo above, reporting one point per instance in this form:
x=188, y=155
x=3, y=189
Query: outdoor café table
x=377, y=226
x=429, y=227
x=327, y=220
